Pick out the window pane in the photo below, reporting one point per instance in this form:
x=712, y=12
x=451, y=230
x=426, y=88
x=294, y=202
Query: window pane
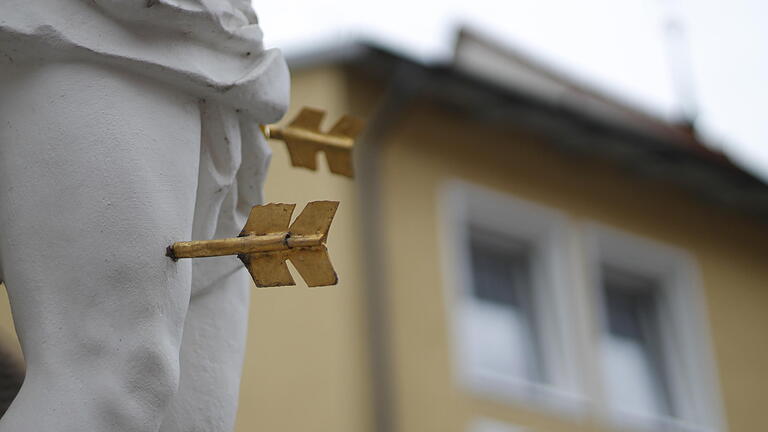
x=500, y=328
x=634, y=363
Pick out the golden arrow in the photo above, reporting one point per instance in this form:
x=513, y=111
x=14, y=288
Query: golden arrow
x=305, y=140
x=267, y=242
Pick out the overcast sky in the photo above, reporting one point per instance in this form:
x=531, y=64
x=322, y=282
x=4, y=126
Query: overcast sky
x=618, y=46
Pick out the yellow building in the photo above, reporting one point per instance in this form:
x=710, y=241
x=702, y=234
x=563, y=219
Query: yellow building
x=517, y=253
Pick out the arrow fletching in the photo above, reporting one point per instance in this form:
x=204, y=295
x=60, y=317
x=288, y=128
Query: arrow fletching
x=305, y=140
x=314, y=266
x=315, y=219
x=304, y=239
x=303, y=153
x=268, y=269
x=348, y=126
x=269, y=218
x=309, y=119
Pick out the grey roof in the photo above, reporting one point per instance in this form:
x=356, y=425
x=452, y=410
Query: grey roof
x=492, y=83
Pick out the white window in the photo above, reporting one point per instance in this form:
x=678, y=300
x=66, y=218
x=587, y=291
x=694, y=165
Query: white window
x=654, y=355
x=500, y=322
x=504, y=268
x=636, y=376
x=625, y=329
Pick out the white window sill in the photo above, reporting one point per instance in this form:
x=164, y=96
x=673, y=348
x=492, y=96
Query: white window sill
x=527, y=394
x=491, y=425
x=634, y=422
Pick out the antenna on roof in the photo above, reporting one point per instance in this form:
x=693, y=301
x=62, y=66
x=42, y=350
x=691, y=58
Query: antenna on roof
x=679, y=61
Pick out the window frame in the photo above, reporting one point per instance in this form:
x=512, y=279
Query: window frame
x=686, y=342
x=463, y=206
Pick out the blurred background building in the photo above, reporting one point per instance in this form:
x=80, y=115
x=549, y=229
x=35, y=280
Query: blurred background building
x=518, y=252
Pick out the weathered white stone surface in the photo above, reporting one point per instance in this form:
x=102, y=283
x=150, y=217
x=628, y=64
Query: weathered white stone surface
x=211, y=47
x=126, y=125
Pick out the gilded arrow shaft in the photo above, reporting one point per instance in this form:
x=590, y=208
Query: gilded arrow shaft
x=290, y=133
x=230, y=246
x=266, y=256
x=242, y=245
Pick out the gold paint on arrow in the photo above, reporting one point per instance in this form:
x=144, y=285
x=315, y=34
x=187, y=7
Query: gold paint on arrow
x=267, y=242
x=305, y=140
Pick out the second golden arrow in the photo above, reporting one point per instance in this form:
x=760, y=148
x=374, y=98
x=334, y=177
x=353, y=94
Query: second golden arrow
x=267, y=242
x=305, y=140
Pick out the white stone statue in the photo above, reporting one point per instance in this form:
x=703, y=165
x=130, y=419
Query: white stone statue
x=127, y=125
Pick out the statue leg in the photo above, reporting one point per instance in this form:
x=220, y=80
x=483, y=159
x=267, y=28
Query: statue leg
x=233, y=163
x=98, y=172
x=212, y=358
